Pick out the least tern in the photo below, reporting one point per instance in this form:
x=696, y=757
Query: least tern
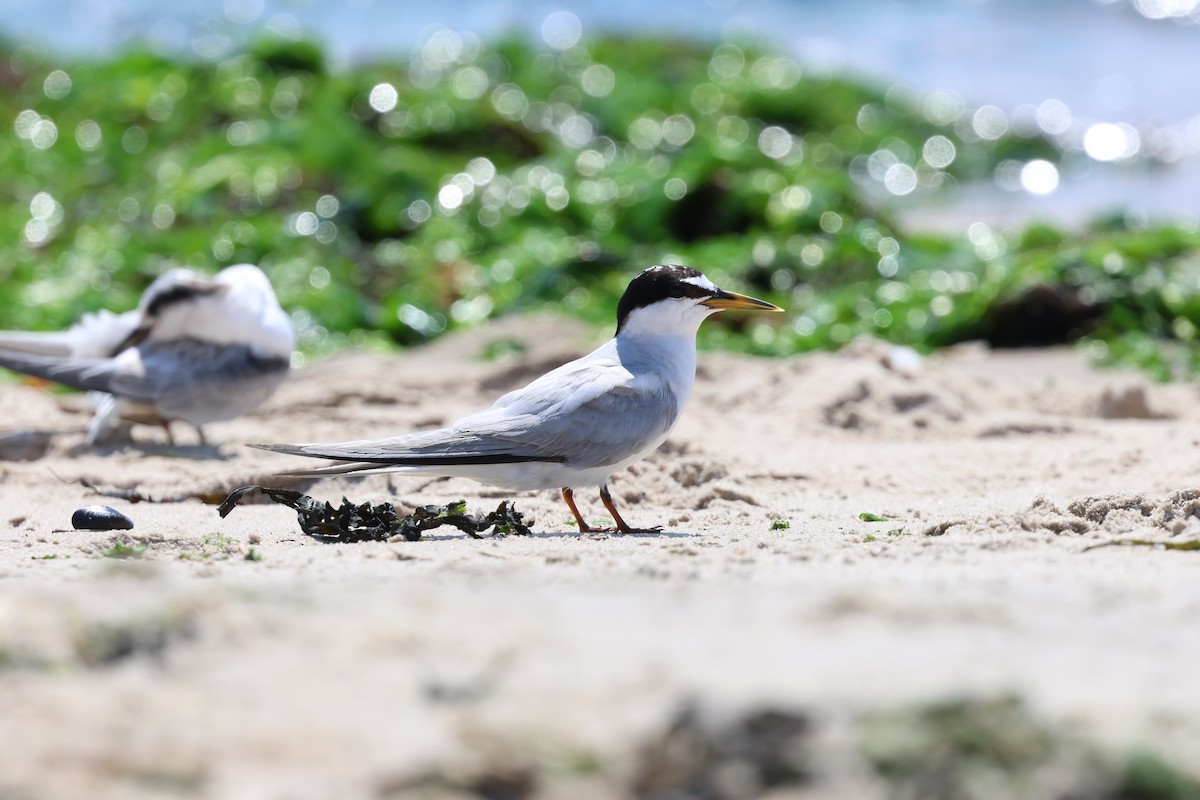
x=197, y=349
x=578, y=424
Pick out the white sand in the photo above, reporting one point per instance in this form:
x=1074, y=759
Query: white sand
x=335, y=670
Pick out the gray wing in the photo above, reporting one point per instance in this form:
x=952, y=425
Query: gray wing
x=587, y=413
x=205, y=382
x=184, y=379
x=111, y=375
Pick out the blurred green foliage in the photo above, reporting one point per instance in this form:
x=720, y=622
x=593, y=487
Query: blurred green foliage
x=469, y=180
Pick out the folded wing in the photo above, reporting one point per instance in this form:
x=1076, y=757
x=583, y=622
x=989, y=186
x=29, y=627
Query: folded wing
x=588, y=413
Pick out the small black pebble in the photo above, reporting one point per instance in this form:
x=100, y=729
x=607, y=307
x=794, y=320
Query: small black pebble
x=100, y=518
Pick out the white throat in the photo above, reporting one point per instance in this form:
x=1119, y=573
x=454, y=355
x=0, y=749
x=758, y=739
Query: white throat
x=673, y=317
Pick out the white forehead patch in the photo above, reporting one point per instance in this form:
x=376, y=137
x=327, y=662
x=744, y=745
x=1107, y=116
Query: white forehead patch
x=702, y=282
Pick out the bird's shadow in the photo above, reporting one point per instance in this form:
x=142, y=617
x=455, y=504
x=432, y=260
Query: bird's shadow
x=193, y=452
x=566, y=534
x=569, y=534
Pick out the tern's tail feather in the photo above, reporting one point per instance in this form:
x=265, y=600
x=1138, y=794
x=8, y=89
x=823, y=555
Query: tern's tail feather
x=91, y=374
x=348, y=468
x=369, y=457
x=38, y=343
x=342, y=468
x=95, y=335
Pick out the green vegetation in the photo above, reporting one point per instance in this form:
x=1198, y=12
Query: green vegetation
x=123, y=551
x=996, y=748
x=217, y=546
x=867, y=516
x=1186, y=544
x=780, y=525
x=403, y=198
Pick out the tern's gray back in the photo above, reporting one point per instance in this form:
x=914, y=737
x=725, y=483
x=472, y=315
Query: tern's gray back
x=205, y=382
x=589, y=428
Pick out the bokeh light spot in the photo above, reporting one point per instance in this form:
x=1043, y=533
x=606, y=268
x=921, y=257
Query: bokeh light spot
x=900, y=179
x=57, y=85
x=938, y=152
x=557, y=198
x=163, y=216
x=775, y=142
x=129, y=209
x=831, y=221
x=1007, y=175
x=598, y=80
x=645, y=133
x=243, y=12
x=1108, y=141
x=43, y=206
x=942, y=107
x=1053, y=117
x=241, y=133
x=44, y=134
x=419, y=211
x=87, y=135
x=326, y=232
x=1164, y=9
x=469, y=83
x=134, y=139
x=678, y=129
x=450, y=197
x=812, y=254
x=304, y=224
x=1039, y=177
x=24, y=122
x=772, y=72
x=509, y=101
x=36, y=231
x=327, y=206
x=733, y=129
x=989, y=122
x=562, y=30
x=576, y=131
x=383, y=97
x=727, y=62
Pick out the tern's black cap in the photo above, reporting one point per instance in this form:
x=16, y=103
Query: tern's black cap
x=661, y=283
x=177, y=292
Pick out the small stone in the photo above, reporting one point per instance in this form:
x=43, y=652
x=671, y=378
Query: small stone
x=100, y=518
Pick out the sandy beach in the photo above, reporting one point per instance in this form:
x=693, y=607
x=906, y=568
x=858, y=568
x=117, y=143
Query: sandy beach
x=239, y=658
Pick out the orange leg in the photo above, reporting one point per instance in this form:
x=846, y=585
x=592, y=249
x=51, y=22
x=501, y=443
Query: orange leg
x=621, y=526
x=569, y=495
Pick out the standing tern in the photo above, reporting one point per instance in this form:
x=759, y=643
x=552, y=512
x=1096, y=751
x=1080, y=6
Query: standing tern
x=197, y=349
x=578, y=424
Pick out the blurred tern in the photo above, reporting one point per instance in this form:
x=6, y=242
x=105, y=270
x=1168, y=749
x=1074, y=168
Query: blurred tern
x=197, y=349
x=575, y=425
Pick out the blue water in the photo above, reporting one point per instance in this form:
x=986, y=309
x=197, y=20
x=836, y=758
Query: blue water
x=1104, y=60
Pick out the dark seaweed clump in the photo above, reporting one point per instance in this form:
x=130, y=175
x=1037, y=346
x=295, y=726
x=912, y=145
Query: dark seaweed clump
x=367, y=522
